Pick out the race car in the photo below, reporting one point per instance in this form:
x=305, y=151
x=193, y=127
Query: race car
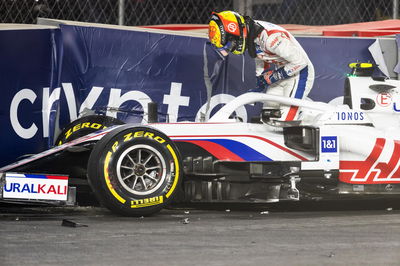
x=350, y=150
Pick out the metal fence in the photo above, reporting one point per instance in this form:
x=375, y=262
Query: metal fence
x=153, y=12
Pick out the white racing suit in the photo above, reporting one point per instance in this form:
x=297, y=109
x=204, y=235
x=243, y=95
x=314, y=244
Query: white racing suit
x=277, y=48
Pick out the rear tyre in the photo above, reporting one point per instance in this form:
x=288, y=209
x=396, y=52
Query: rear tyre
x=134, y=171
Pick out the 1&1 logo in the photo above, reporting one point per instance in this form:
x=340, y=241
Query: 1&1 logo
x=329, y=144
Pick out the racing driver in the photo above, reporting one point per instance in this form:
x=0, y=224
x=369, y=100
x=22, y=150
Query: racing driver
x=282, y=66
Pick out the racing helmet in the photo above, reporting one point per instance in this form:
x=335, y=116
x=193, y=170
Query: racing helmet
x=227, y=31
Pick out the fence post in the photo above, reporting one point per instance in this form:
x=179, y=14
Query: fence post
x=395, y=9
x=121, y=12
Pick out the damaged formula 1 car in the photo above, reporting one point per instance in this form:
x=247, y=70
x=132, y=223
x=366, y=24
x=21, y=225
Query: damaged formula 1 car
x=352, y=149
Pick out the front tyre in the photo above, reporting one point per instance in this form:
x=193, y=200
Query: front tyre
x=134, y=171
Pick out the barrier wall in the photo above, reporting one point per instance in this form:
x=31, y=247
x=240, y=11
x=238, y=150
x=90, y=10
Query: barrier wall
x=51, y=73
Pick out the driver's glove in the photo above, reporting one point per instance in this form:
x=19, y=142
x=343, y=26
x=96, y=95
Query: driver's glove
x=261, y=86
x=269, y=77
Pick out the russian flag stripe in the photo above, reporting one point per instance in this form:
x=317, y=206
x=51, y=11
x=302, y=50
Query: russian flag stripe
x=181, y=138
x=242, y=150
x=216, y=150
x=226, y=149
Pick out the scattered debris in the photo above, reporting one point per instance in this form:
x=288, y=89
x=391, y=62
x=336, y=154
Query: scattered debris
x=264, y=212
x=185, y=221
x=69, y=223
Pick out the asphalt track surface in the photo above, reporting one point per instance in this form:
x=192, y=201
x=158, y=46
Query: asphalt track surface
x=340, y=234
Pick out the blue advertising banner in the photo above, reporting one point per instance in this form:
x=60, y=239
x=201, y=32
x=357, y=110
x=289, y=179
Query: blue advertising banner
x=118, y=72
x=331, y=57
x=29, y=71
x=46, y=74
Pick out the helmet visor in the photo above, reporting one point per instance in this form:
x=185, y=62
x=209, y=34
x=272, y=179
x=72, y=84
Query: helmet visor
x=214, y=34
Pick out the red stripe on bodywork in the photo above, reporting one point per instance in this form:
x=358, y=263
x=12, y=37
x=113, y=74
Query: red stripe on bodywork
x=218, y=151
x=397, y=173
x=363, y=167
x=59, y=177
x=387, y=168
x=247, y=136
